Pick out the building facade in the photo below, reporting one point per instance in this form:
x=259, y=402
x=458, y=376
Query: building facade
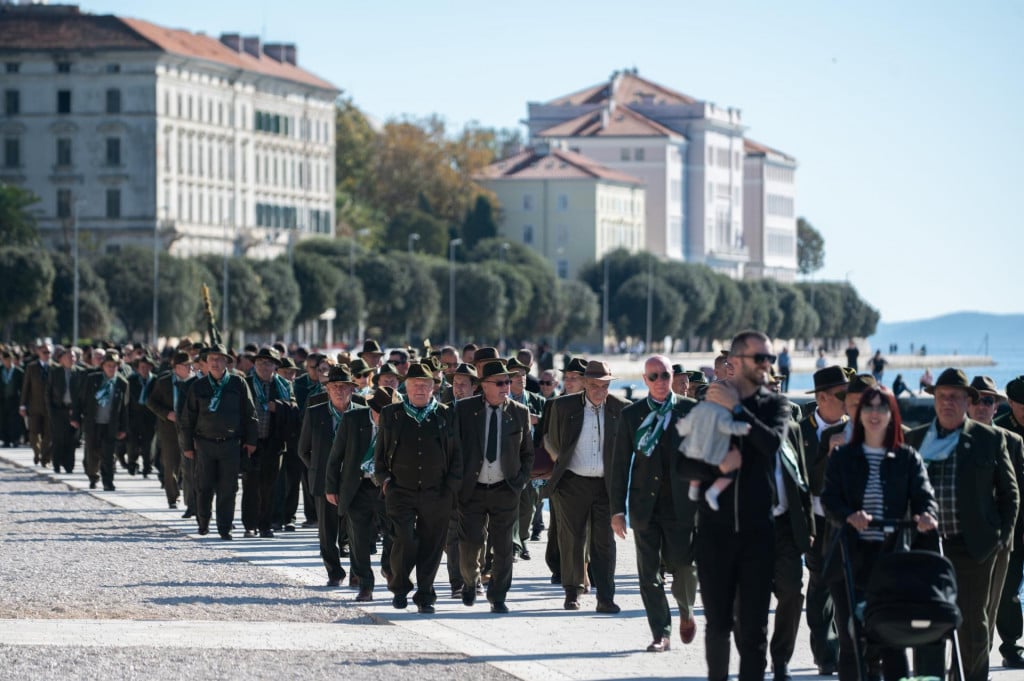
x=769, y=183
x=690, y=153
x=138, y=133
x=568, y=208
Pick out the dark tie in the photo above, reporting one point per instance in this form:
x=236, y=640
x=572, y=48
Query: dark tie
x=492, y=436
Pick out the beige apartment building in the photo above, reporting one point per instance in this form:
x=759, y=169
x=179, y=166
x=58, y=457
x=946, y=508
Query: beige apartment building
x=565, y=206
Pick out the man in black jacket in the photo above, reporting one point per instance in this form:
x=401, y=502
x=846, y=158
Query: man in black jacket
x=11, y=378
x=165, y=401
x=1009, y=621
x=141, y=421
x=736, y=543
x=101, y=410
x=64, y=384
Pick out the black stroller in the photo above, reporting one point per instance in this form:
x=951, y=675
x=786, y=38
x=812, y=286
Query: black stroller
x=910, y=599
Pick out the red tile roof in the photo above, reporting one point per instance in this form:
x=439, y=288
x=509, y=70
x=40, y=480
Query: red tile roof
x=629, y=88
x=557, y=164
x=65, y=29
x=753, y=148
x=622, y=122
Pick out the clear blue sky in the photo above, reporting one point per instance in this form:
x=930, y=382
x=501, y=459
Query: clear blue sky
x=906, y=117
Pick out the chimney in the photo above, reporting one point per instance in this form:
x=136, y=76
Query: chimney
x=251, y=44
x=232, y=40
x=274, y=50
x=541, y=149
x=291, y=55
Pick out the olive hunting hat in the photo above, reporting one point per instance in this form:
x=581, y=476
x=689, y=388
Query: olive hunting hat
x=111, y=356
x=858, y=384
x=577, y=365
x=181, y=358
x=494, y=368
x=514, y=364
x=1015, y=390
x=598, y=370
x=466, y=370
x=359, y=367
x=269, y=354
x=381, y=398
x=986, y=386
x=698, y=377
x=288, y=363
x=216, y=349
x=370, y=347
x=485, y=355
x=339, y=373
x=148, y=359
x=829, y=377
x=417, y=370
x=952, y=378
x=678, y=369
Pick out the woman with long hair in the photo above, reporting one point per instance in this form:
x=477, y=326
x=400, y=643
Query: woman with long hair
x=874, y=476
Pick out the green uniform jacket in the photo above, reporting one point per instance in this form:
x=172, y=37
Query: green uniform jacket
x=344, y=465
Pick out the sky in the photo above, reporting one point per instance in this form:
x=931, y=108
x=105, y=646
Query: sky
x=905, y=118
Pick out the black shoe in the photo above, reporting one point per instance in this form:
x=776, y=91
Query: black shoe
x=267, y=534
x=248, y=534
x=572, y=600
x=172, y=504
x=289, y=528
x=608, y=607
x=826, y=670
x=276, y=527
x=92, y=484
x=204, y=528
x=189, y=513
x=427, y=609
x=469, y=597
x=456, y=592
x=781, y=671
x=499, y=608
x=109, y=488
x=535, y=536
x=556, y=579
x=525, y=555
x=333, y=582
x=226, y=536
x=400, y=601
x=1014, y=660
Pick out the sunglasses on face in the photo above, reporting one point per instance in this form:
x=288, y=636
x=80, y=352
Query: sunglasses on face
x=399, y=362
x=875, y=408
x=546, y=382
x=500, y=384
x=988, y=401
x=760, y=357
x=663, y=376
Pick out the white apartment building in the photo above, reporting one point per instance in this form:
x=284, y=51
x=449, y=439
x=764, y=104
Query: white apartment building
x=568, y=208
x=690, y=153
x=769, y=212
x=135, y=131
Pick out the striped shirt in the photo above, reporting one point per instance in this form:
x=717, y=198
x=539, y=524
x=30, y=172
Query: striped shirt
x=873, y=492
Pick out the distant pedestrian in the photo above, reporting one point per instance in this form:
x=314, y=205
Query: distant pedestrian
x=878, y=365
x=785, y=366
x=852, y=353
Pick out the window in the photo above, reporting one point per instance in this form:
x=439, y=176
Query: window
x=63, y=151
x=528, y=234
x=63, y=67
x=780, y=243
x=113, y=101
x=676, y=189
x=780, y=205
x=63, y=203
x=638, y=154
x=562, y=202
x=113, y=151
x=711, y=192
x=563, y=268
x=562, y=235
x=527, y=201
x=12, y=152
x=63, y=101
x=711, y=155
x=624, y=154
x=12, y=67
x=12, y=102
x=179, y=106
x=113, y=68
x=113, y=203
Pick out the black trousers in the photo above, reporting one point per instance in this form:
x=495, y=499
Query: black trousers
x=787, y=585
x=190, y=484
x=364, y=515
x=1009, y=620
x=64, y=440
x=581, y=500
x=286, y=490
x=12, y=426
x=489, y=514
x=891, y=661
x=216, y=472
x=731, y=566
x=100, y=442
x=328, y=529
x=39, y=436
x=419, y=523
x=820, y=610
x=665, y=542
x=140, y=446
x=552, y=554
x=527, y=506
x=258, y=482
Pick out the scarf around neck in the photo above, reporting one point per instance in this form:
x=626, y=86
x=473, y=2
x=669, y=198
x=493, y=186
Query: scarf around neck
x=419, y=414
x=653, y=425
x=218, y=388
x=934, y=448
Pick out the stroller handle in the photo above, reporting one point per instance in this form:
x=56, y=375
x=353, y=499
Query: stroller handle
x=892, y=524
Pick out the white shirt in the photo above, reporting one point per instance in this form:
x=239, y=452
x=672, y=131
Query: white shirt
x=491, y=471
x=819, y=510
x=780, y=486
x=587, y=459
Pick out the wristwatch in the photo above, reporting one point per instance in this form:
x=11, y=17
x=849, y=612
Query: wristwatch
x=737, y=409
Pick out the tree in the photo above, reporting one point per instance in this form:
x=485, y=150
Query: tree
x=479, y=223
x=698, y=287
x=248, y=301
x=93, y=304
x=799, y=318
x=17, y=222
x=433, y=233
x=277, y=278
x=629, y=308
x=26, y=282
x=725, y=322
x=810, y=248
x=581, y=310
x=318, y=282
x=479, y=296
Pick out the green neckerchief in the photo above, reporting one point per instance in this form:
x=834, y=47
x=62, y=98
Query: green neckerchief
x=653, y=425
x=336, y=415
x=105, y=392
x=367, y=465
x=419, y=414
x=218, y=387
x=262, y=398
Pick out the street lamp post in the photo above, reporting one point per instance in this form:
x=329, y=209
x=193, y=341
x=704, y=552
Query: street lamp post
x=74, y=316
x=352, y=269
x=451, y=289
x=650, y=302
x=604, y=310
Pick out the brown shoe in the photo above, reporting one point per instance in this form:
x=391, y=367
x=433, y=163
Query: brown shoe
x=572, y=601
x=365, y=594
x=660, y=645
x=687, y=630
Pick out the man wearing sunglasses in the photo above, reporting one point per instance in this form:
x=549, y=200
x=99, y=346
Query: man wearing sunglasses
x=1004, y=612
x=735, y=544
x=660, y=511
x=497, y=456
x=580, y=438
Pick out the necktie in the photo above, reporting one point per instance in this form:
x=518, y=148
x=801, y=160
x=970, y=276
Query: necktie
x=492, y=436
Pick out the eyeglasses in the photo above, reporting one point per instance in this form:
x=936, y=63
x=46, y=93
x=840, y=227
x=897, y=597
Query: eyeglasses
x=663, y=376
x=988, y=400
x=760, y=357
x=875, y=408
x=500, y=384
x=546, y=382
x=399, y=362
